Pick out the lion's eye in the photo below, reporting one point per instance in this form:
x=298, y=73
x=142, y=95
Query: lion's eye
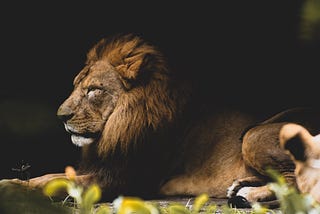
x=93, y=92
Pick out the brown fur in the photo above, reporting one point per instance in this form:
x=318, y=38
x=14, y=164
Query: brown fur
x=143, y=133
x=127, y=125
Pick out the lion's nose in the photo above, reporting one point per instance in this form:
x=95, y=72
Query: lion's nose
x=64, y=113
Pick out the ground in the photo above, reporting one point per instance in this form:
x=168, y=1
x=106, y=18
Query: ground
x=188, y=203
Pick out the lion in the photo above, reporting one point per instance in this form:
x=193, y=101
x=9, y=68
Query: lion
x=143, y=132
x=304, y=150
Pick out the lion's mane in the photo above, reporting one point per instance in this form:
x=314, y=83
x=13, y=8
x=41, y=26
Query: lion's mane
x=152, y=102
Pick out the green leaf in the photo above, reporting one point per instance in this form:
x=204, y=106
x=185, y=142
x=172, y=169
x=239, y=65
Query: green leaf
x=103, y=209
x=53, y=186
x=276, y=176
x=259, y=209
x=130, y=205
x=152, y=208
x=178, y=209
x=199, y=202
x=126, y=205
x=211, y=209
x=91, y=196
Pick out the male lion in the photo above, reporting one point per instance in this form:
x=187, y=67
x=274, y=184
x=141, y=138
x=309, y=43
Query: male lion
x=143, y=134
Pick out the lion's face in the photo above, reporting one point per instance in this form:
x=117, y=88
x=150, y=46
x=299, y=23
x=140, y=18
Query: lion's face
x=96, y=91
x=122, y=95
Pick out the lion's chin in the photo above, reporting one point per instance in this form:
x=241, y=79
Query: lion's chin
x=80, y=140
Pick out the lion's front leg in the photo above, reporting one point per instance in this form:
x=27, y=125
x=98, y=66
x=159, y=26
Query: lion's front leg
x=251, y=189
x=245, y=184
x=40, y=182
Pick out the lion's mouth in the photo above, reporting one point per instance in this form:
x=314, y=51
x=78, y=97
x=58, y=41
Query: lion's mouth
x=81, y=139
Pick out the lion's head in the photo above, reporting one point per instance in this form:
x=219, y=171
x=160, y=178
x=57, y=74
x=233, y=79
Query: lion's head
x=123, y=93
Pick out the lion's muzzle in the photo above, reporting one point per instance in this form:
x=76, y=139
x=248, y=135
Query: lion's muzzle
x=64, y=113
x=80, y=139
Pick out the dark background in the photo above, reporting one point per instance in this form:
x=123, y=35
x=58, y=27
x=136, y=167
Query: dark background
x=247, y=54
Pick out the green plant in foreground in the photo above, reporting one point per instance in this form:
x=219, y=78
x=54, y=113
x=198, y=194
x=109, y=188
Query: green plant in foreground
x=84, y=199
x=291, y=201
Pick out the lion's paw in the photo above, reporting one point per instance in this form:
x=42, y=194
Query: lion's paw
x=232, y=190
x=238, y=195
x=238, y=202
x=251, y=189
x=236, y=189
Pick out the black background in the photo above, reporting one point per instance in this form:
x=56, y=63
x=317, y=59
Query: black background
x=244, y=53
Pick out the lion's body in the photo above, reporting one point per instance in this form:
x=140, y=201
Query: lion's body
x=204, y=158
x=144, y=134
x=154, y=138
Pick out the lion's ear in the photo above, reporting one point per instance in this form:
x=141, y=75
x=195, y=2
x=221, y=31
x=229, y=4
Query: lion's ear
x=131, y=58
x=296, y=140
x=132, y=66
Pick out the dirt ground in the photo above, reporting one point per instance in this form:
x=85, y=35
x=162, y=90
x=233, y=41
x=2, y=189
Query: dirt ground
x=188, y=202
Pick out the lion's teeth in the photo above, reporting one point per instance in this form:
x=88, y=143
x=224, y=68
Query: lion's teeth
x=81, y=141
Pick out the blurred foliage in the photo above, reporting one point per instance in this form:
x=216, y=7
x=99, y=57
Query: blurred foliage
x=291, y=201
x=18, y=199
x=310, y=21
x=85, y=201
x=15, y=198
x=84, y=198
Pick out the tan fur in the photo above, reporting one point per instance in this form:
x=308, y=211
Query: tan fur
x=304, y=150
